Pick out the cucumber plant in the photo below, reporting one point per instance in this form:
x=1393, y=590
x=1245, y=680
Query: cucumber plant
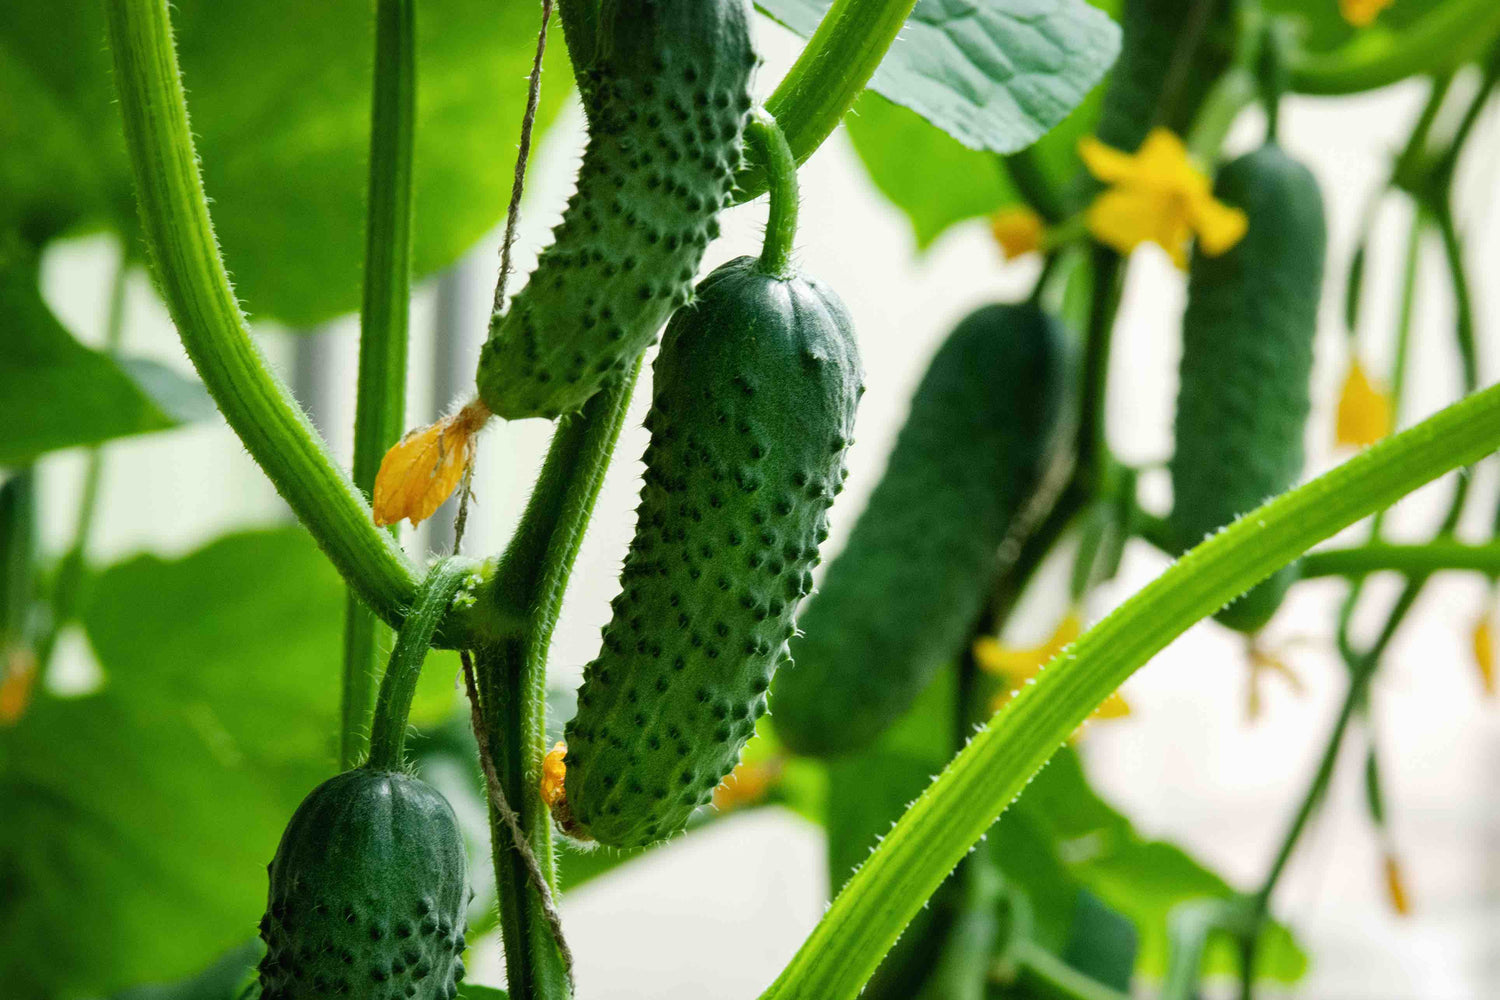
x=752, y=414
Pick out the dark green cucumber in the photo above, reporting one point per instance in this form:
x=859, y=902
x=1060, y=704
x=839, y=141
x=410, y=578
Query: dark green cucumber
x=901, y=598
x=755, y=392
x=368, y=891
x=668, y=89
x=1153, y=33
x=1247, y=351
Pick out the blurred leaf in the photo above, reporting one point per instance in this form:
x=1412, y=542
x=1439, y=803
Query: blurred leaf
x=56, y=393
x=1143, y=879
x=993, y=74
x=471, y=991
x=1323, y=27
x=224, y=980
x=139, y=819
x=280, y=98
x=1103, y=942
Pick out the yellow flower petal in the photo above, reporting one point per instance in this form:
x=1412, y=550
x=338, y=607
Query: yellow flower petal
x=747, y=784
x=1105, y=162
x=1124, y=218
x=1219, y=226
x=1364, y=411
x=1362, y=13
x=426, y=466
x=1395, y=886
x=1484, y=651
x=554, y=774
x=16, y=684
x=1018, y=230
x=1113, y=707
x=1016, y=664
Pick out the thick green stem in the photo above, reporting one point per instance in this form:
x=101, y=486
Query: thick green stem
x=191, y=277
x=834, y=67
x=1093, y=439
x=767, y=140
x=380, y=404
x=1035, y=186
x=399, y=685
x=1448, y=36
x=994, y=768
x=512, y=675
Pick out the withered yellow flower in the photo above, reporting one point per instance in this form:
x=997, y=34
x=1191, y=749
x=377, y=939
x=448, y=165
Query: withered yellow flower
x=1018, y=230
x=1484, y=651
x=1364, y=412
x=426, y=466
x=1362, y=13
x=1395, y=885
x=17, y=678
x=1157, y=196
x=554, y=774
x=1017, y=665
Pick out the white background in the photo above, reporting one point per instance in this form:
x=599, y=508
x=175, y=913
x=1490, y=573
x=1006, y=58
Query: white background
x=718, y=914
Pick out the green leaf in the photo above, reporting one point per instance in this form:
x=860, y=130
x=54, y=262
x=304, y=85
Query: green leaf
x=225, y=979
x=139, y=819
x=1103, y=943
x=280, y=97
x=993, y=74
x=1143, y=879
x=56, y=393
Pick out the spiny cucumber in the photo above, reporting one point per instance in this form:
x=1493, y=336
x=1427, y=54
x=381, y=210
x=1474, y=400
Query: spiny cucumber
x=755, y=392
x=666, y=91
x=901, y=598
x=1247, y=351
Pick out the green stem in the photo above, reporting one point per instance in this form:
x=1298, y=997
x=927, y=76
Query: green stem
x=70, y=569
x=1411, y=560
x=1093, y=439
x=1037, y=189
x=1039, y=973
x=1448, y=36
x=1234, y=91
x=1463, y=300
x=781, y=170
x=993, y=769
x=380, y=403
x=192, y=280
x=834, y=67
x=18, y=552
x=399, y=685
x=512, y=675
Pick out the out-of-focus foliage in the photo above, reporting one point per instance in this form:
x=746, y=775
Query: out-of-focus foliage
x=280, y=98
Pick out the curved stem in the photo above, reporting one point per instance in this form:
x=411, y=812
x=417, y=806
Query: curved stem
x=834, y=67
x=380, y=404
x=1448, y=36
x=399, y=685
x=781, y=170
x=1043, y=974
x=191, y=277
x=994, y=768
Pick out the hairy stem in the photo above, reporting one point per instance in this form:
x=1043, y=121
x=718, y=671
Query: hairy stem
x=834, y=67
x=781, y=170
x=380, y=405
x=994, y=768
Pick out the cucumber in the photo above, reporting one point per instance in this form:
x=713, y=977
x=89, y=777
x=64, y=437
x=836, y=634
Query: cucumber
x=902, y=597
x=1152, y=35
x=755, y=393
x=1247, y=352
x=667, y=92
x=367, y=895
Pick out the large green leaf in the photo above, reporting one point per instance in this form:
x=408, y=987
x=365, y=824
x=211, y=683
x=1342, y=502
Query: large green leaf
x=56, y=393
x=280, y=97
x=139, y=819
x=1143, y=879
x=994, y=74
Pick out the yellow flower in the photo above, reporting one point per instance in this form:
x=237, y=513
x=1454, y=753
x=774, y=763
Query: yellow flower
x=554, y=774
x=1364, y=414
x=747, y=784
x=1484, y=651
x=1262, y=662
x=1018, y=230
x=1157, y=196
x=1362, y=13
x=426, y=466
x=17, y=678
x=1017, y=665
x=1395, y=886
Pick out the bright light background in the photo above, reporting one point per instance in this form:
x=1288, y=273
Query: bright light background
x=719, y=913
